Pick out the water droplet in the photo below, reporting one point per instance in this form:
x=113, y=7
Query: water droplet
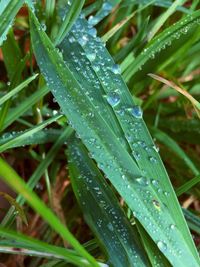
x=172, y=226
x=96, y=67
x=91, y=56
x=155, y=183
x=116, y=69
x=142, y=181
x=110, y=227
x=166, y=193
x=92, y=32
x=156, y=204
x=92, y=20
x=107, y=6
x=153, y=160
x=113, y=98
x=71, y=39
x=162, y=246
x=137, y=112
x=83, y=40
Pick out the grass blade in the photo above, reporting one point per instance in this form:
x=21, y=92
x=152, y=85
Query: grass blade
x=72, y=14
x=187, y=186
x=30, y=246
x=28, y=133
x=98, y=136
x=17, y=89
x=17, y=183
x=164, y=17
x=8, y=11
x=35, y=177
x=163, y=40
x=101, y=210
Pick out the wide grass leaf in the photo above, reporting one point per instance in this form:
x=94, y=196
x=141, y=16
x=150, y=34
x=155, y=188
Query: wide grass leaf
x=102, y=211
x=158, y=211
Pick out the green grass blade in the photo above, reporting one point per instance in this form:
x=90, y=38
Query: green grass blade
x=17, y=89
x=164, y=17
x=30, y=246
x=187, y=186
x=111, y=155
x=8, y=11
x=169, y=142
x=35, y=177
x=28, y=133
x=155, y=256
x=104, y=11
x=163, y=40
x=17, y=183
x=11, y=54
x=192, y=220
x=24, y=106
x=102, y=211
x=74, y=10
x=41, y=137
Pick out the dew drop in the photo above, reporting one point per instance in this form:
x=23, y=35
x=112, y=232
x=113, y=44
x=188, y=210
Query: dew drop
x=162, y=246
x=153, y=160
x=155, y=182
x=142, y=181
x=83, y=40
x=172, y=226
x=116, y=69
x=113, y=98
x=92, y=32
x=137, y=112
x=156, y=204
x=92, y=20
x=110, y=227
x=91, y=56
x=107, y=6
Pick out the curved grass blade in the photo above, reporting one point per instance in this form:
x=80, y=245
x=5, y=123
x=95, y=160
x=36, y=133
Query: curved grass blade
x=17, y=183
x=161, y=42
x=28, y=133
x=169, y=142
x=164, y=17
x=102, y=211
x=29, y=246
x=110, y=154
x=194, y=102
x=24, y=106
x=41, y=137
x=17, y=207
x=8, y=11
x=144, y=151
x=17, y=89
x=35, y=177
x=192, y=220
x=187, y=186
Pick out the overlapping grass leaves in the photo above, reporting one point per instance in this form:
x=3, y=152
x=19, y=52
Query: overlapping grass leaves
x=102, y=211
x=158, y=211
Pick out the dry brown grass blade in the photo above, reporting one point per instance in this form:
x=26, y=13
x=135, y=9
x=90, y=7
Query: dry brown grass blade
x=171, y=84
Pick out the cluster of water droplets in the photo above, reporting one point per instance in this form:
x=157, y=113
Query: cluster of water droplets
x=103, y=12
x=130, y=117
x=185, y=25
